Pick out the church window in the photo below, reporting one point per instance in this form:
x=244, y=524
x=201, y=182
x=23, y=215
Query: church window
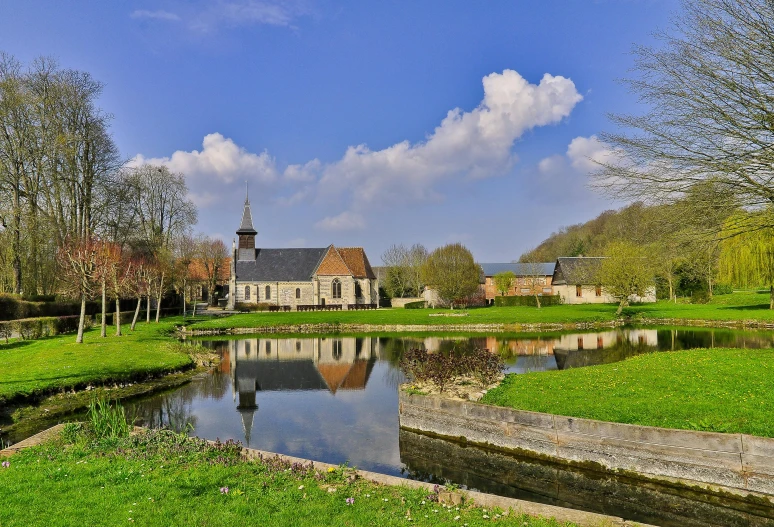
x=336, y=287
x=247, y=292
x=298, y=292
x=268, y=292
x=358, y=290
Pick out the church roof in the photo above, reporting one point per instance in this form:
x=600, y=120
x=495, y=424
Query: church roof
x=357, y=261
x=280, y=265
x=246, y=227
x=333, y=264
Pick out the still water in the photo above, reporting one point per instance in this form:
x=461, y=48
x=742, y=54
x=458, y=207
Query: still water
x=334, y=399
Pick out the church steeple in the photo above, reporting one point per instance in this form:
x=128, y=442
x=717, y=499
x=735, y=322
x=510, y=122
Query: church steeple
x=247, y=234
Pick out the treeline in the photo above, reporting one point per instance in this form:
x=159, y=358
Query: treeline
x=693, y=252
x=74, y=216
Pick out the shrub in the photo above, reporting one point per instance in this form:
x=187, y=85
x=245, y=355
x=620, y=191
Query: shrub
x=722, y=289
x=35, y=328
x=477, y=299
x=548, y=300
x=420, y=304
x=441, y=368
x=700, y=296
x=6, y=328
x=40, y=298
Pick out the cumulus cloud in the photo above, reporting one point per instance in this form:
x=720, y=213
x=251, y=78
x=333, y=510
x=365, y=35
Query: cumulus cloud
x=305, y=173
x=346, y=221
x=155, y=15
x=586, y=153
x=475, y=144
x=221, y=158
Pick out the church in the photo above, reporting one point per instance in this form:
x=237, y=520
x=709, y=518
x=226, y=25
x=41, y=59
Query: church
x=327, y=276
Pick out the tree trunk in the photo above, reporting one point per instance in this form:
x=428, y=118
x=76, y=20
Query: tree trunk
x=103, y=326
x=147, y=308
x=118, y=317
x=537, y=301
x=771, y=297
x=16, y=243
x=81, y=321
x=184, y=298
x=136, y=311
x=158, y=306
x=623, y=304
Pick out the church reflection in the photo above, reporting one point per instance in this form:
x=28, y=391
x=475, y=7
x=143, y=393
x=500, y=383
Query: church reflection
x=296, y=364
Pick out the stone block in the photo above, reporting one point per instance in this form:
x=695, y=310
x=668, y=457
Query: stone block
x=758, y=446
x=650, y=434
x=508, y=415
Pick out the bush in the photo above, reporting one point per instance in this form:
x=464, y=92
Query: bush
x=549, y=300
x=420, y=304
x=126, y=317
x=700, y=296
x=35, y=328
x=12, y=307
x=441, y=368
x=722, y=289
x=40, y=298
x=245, y=306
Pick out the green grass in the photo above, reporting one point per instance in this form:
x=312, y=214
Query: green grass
x=741, y=306
x=161, y=479
x=57, y=363
x=721, y=390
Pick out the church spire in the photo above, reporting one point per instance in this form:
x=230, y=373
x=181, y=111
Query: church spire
x=246, y=227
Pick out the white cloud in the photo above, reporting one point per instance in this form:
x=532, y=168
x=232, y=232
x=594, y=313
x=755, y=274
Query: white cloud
x=553, y=165
x=346, y=221
x=586, y=153
x=220, y=158
x=472, y=144
x=308, y=172
x=155, y=15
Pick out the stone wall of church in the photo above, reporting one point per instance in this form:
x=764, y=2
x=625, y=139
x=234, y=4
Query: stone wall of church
x=279, y=293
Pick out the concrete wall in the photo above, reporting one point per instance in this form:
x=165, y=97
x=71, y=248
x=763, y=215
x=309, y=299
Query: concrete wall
x=401, y=302
x=730, y=460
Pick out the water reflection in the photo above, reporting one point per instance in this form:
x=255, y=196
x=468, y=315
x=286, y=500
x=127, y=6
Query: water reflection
x=334, y=399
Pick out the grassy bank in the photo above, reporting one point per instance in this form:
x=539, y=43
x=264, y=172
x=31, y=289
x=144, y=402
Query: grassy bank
x=720, y=390
x=161, y=478
x=57, y=363
x=743, y=306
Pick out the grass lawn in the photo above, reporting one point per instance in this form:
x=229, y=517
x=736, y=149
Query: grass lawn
x=720, y=390
x=161, y=478
x=30, y=367
x=749, y=305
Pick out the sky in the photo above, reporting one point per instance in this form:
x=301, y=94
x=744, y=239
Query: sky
x=361, y=123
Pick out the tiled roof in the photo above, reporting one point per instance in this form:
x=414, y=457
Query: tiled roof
x=280, y=265
x=580, y=270
x=333, y=264
x=519, y=269
x=357, y=262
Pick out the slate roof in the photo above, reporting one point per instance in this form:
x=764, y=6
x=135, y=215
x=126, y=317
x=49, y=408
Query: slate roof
x=280, y=265
x=519, y=269
x=246, y=227
x=580, y=270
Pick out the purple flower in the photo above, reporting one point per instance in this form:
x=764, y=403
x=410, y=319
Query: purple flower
x=350, y=501
x=6, y=464
x=224, y=490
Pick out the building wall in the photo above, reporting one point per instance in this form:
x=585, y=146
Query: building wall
x=589, y=295
x=523, y=286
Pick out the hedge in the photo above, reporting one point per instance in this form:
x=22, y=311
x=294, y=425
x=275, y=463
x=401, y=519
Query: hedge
x=420, y=304
x=35, y=328
x=550, y=300
x=12, y=307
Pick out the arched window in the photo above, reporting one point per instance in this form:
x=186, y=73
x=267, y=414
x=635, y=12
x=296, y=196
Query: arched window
x=358, y=290
x=247, y=292
x=336, y=288
x=268, y=292
x=298, y=292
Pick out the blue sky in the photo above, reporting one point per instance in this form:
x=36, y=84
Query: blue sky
x=360, y=123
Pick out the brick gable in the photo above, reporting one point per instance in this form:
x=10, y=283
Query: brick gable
x=333, y=264
x=357, y=262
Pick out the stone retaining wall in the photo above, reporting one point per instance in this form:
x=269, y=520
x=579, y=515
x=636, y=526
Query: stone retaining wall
x=734, y=461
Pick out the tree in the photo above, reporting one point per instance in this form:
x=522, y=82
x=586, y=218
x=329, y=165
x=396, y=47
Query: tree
x=625, y=272
x=452, y=272
x=504, y=281
x=78, y=262
x=213, y=255
x=534, y=279
x=398, y=278
x=710, y=118
x=415, y=259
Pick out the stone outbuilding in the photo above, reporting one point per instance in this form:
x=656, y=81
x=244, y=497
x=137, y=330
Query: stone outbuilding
x=576, y=280
x=299, y=276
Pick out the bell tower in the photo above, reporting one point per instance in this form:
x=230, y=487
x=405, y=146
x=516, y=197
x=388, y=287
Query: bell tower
x=246, y=233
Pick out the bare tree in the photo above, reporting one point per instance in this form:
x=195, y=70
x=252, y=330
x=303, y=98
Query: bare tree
x=78, y=261
x=213, y=255
x=398, y=278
